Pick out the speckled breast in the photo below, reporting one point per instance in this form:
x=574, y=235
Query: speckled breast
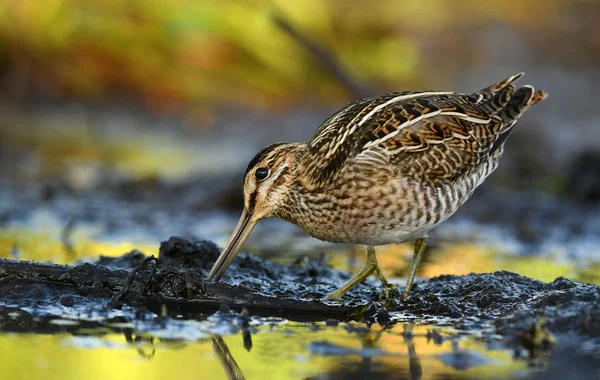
x=383, y=213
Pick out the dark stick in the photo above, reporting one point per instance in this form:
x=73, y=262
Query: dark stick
x=99, y=284
x=354, y=89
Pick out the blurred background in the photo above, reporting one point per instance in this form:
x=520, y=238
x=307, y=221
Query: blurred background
x=124, y=122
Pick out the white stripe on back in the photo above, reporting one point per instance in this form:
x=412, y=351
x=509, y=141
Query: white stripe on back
x=396, y=100
x=424, y=116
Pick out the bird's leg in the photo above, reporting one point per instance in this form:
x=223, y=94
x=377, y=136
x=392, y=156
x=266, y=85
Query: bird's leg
x=370, y=266
x=418, y=254
x=388, y=287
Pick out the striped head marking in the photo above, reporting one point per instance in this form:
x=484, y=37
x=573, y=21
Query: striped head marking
x=266, y=190
x=267, y=179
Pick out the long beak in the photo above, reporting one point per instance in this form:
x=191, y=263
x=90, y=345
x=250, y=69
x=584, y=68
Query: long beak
x=238, y=237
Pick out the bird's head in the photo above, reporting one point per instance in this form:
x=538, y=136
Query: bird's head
x=267, y=187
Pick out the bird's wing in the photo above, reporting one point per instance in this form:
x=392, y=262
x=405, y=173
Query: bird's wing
x=435, y=136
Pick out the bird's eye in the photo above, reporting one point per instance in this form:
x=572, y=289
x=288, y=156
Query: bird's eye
x=262, y=174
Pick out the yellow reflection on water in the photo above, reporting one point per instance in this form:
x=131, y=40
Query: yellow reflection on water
x=277, y=353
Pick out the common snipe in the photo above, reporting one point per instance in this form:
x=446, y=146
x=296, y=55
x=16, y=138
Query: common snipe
x=382, y=170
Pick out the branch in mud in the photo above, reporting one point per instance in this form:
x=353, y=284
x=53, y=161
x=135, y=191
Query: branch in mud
x=153, y=288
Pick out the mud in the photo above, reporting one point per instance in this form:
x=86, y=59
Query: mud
x=524, y=312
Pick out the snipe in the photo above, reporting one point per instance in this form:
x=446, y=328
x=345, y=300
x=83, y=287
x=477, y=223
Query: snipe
x=382, y=170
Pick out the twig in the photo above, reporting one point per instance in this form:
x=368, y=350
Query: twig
x=118, y=297
x=354, y=89
x=66, y=237
x=117, y=283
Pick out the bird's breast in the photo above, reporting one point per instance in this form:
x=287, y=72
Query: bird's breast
x=380, y=213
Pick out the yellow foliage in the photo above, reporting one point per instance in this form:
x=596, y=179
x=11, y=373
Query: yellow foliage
x=188, y=52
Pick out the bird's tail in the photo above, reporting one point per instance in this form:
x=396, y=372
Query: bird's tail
x=501, y=100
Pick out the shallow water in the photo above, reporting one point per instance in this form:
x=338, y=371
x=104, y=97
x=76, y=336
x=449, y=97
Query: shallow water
x=281, y=350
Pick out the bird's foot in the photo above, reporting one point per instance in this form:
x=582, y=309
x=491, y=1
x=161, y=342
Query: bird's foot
x=389, y=293
x=338, y=295
x=390, y=290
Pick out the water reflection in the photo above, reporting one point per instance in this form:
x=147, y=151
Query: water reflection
x=229, y=364
x=266, y=349
x=367, y=366
x=144, y=344
x=280, y=350
x=462, y=359
x=414, y=363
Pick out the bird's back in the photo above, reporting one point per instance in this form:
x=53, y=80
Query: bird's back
x=433, y=136
x=421, y=154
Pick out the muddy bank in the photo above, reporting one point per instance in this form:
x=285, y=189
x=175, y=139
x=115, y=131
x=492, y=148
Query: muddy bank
x=500, y=303
x=172, y=284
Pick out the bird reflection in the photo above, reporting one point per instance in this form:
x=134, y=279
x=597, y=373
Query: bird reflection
x=414, y=363
x=369, y=367
x=231, y=368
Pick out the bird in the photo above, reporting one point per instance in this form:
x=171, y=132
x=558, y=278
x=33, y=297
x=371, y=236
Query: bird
x=382, y=170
